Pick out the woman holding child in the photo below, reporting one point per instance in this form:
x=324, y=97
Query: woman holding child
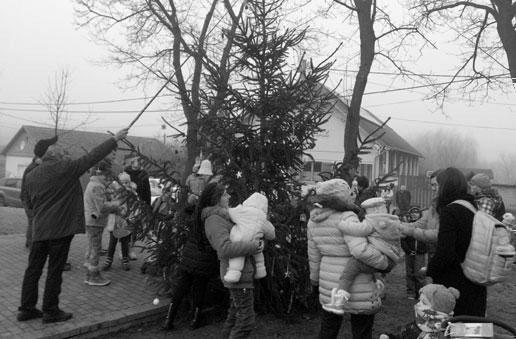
x=330, y=250
x=214, y=202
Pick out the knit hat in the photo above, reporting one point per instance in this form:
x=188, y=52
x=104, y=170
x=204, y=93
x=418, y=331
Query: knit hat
x=258, y=201
x=334, y=187
x=42, y=145
x=205, y=168
x=481, y=180
x=442, y=299
x=124, y=177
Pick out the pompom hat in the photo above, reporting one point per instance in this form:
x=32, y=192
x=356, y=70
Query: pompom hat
x=442, y=299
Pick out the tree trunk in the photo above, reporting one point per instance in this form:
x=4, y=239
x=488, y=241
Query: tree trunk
x=367, y=42
x=507, y=35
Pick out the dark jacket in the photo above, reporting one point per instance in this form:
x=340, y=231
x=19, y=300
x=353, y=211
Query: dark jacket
x=403, y=200
x=55, y=193
x=455, y=227
x=141, y=179
x=217, y=225
x=200, y=259
x=24, y=197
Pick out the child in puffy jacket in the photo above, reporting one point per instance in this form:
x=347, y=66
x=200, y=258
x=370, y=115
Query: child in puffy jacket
x=250, y=219
x=119, y=229
x=382, y=231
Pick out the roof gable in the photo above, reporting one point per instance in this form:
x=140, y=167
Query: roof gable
x=80, y=142
x=369, y=122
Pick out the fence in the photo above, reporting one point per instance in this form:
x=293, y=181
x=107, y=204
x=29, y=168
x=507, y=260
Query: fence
x=419, y=188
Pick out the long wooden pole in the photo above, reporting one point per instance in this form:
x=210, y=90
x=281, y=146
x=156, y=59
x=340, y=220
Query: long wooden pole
x=150, y=102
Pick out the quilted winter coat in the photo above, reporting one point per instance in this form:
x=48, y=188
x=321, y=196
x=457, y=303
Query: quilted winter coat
x=329, y=249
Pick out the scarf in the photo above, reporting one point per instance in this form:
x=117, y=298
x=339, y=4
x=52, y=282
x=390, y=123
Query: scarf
x=430, y=321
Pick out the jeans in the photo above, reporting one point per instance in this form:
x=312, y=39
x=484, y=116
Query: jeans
x=361, y=325
x=124, y=243
x=183, y=282
x=240, y=320
x=415, y=279
x=57, y=252
x=94, y=234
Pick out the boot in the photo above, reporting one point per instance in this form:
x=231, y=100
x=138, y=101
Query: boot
x=196, y=320
x=95, y=279
x=169, y=320
x=107, y=264
x=125, y=264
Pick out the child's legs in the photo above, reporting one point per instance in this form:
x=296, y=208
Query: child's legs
x=124, y=242
x=236, y=264
x=259, y=260
x=352, y=268
x=112, y=245
x=94, y=243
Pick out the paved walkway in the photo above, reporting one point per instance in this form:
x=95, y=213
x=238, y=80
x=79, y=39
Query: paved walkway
x=95, y=309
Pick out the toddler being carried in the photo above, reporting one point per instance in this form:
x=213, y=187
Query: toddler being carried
x=382, y=231
x=250, y=220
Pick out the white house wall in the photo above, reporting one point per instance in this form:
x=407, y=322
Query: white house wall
x=15, y=165
x=329, y=145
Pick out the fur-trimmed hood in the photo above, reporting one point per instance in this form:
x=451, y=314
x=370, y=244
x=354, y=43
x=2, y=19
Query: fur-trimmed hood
x=215, y=210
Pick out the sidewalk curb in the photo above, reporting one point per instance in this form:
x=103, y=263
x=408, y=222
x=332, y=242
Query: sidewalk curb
x=112, y=323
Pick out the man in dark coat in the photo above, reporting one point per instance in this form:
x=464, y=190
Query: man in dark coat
x=140, y=177
x=403, y=199
x=40, y=149
x=55, y=196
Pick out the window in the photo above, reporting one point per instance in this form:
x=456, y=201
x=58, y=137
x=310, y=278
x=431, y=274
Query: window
x=317, y=166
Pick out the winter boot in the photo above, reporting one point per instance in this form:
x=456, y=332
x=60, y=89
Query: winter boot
x=125, y=264
x=95, y=279
x=196, y=320
x=169, y=320
x=338, y=299
x=107, y=264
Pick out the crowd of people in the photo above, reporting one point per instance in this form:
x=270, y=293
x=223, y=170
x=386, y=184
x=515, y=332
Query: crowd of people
x=353, y=239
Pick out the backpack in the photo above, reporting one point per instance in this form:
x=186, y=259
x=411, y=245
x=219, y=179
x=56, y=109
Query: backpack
x=490, y=255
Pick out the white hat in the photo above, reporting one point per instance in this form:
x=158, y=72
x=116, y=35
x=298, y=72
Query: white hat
x=337, y=187
x=205, y=168
x=258, y=201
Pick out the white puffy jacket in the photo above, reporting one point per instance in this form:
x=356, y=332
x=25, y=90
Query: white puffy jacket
x=329, y=249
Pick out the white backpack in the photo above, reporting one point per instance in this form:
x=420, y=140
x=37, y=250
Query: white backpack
x=490, y=254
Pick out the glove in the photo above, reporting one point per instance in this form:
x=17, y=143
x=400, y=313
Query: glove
x=390, y=265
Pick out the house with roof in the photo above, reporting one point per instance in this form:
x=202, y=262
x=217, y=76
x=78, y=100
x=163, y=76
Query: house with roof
x=389, y=151
x=18, y=152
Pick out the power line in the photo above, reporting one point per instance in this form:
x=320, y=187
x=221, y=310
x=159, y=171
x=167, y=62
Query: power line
x=91, y=111
x=108, y=101
x=428, y=85
x=27, y=120
x=414, y=74
x=457, y=125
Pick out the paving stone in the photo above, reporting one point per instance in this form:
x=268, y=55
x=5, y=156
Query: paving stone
x=127, y=298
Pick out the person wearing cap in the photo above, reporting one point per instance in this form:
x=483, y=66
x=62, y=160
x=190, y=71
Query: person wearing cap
x=195, y=184
x=140, y=177
x=39, y=150
x=487, y=198
x=55, y=196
